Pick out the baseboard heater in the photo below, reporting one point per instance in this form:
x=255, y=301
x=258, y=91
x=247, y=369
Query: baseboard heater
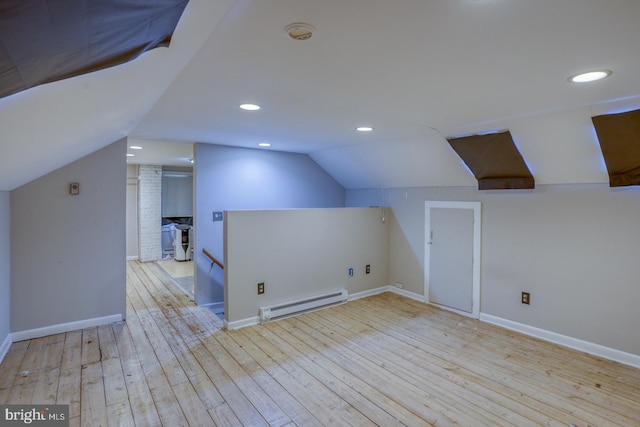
x=289, y=308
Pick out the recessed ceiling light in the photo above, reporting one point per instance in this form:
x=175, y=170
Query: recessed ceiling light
x=135, y=147
x=264, y=144
x=364, y=129
x=191, y=161
x=250, y=107
x=590, y=76
x=129, y=155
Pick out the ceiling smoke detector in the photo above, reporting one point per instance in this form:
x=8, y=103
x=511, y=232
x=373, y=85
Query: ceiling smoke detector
x=299, y=31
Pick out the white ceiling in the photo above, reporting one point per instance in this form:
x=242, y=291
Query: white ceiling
x=416, y=70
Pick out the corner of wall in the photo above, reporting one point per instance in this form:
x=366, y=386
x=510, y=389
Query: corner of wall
x=4, y=347
x=565, y=341
x=5, y=285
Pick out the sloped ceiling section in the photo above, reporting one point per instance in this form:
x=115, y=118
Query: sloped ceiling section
x=52, y=125
x=494, y=160
x=396, y=66
x=619, y=136
x=42, y=41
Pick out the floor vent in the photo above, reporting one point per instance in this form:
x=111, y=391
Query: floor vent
x=279, y=311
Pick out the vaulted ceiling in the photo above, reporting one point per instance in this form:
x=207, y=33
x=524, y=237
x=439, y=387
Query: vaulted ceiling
x=417, y=71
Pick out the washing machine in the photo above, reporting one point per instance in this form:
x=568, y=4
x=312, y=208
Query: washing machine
x=168, y=235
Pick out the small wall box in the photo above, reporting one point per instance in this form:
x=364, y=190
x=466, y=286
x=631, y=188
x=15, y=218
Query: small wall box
x=74, y=188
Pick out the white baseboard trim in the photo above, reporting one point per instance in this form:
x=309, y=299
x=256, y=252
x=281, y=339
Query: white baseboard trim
x=4, y=347
x=367, y=293
x=132, y=258
x=64, y=327
x=352, y=297
x=241, y=323
x=405, y=293
x=566, y=341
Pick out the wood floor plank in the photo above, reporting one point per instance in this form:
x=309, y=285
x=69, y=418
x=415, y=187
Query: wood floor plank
x=379, y=407
x=557, y=360
x=281, y=375
x=295, y=411
x=568, y=370
x=69, y=390
x=487, y=365
x=11, y=363
x=119, y=414
x=537, y=357
x=46, y=386
x=72, y=352
x=194, y=354
x=168, y=359
x=193, y=409
x=169, y=409
x=422, y=402
x=93, y=408
x=382, y=360
x=140, y=398
x=224, y=416
x=25, y=380
x=90, y=346
x=259, y=398
x=490, y=376
x=149, y=339
x=438, y=371
x=316, y=397
x=114, y=384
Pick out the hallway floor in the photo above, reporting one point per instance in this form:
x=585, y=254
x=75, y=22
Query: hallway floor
x=181, y=272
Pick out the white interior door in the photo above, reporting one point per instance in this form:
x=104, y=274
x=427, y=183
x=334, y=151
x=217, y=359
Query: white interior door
x=452, y=242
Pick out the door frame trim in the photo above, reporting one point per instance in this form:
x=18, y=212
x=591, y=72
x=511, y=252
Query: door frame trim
x=477, y=236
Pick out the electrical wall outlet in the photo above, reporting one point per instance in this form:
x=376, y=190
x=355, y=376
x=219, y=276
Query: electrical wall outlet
x=261, y=288
x=526, y=298
x=350, y=271
x=367, y=269
x=399, y=285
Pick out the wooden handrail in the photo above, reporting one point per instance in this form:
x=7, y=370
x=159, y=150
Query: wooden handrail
x=212, y=258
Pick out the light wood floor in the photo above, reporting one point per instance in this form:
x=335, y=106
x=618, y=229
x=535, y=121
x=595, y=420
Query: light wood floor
x=384, y=360
x=176, y=268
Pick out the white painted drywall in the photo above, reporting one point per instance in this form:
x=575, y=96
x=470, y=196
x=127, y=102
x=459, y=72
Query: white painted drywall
x=5, y=292
x=132, y=212
x=573, y=247
x=68, y=252
x=228, y=178
x=301, y=253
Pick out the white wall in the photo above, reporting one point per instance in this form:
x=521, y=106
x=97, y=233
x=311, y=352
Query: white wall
x=132, y=212
x=150, y=213
x=228, y=178
x=573, y=247
x=301, y=253
x=5, y=291
x=68, y=252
